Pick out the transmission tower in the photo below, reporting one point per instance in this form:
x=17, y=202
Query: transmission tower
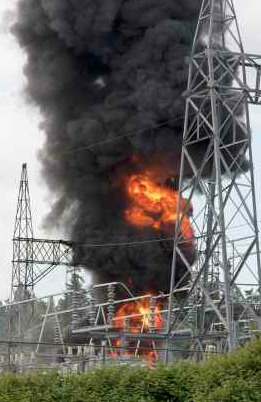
x=22, y=272
x=33, y=258
x=221, y=85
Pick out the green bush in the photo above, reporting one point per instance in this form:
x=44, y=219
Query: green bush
x=31, y=388
x=233, y=378
x=128, y=384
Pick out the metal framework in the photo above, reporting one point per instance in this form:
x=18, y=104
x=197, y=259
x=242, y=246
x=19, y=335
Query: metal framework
x=226, y=278
x=98, y=334
x=22, y=273
x=44, y=256
x=33, y=259
x=221, y=303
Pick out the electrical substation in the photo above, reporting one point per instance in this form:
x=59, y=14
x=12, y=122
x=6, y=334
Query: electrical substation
x=214, y=306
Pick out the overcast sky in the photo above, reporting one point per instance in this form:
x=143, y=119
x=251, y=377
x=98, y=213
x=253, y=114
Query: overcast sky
x=21, y=138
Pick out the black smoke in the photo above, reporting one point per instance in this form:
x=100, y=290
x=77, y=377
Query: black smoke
x=98, y=70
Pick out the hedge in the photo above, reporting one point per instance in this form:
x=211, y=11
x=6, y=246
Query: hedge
x=230, y=378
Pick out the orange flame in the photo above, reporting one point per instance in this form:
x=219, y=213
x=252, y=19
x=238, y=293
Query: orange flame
x=138, y=317
x=155, y=205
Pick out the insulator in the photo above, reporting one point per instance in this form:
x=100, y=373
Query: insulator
x=86, y=350
x=247, y=328
x=110, y=310
x=56, y=336
x=111, y=300
x=172, y=311
x=192, y=315
x=210, y=349
x=152, y=313
x=91, y=349
x=111, y=293
x=74, y=306
x=92, y=311
x=57, y=331
x=127, y=324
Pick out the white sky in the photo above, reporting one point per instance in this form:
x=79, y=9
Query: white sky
x=21, y=138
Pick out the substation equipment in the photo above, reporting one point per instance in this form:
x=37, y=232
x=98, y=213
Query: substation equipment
x=220, y=307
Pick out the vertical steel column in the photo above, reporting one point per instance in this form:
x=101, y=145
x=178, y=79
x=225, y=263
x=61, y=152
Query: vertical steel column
x=22, y=273
x=217, y=115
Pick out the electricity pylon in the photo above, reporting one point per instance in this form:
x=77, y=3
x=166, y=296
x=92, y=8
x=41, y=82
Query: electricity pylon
x=33, y=258
x=22, y=272
x=219, y=178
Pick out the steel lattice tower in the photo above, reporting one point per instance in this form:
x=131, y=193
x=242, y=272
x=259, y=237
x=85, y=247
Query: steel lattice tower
x=33, y=258
x=22, y=272
x=226, y=277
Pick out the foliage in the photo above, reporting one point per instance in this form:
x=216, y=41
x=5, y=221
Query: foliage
x=234, y=378
x=79, y=298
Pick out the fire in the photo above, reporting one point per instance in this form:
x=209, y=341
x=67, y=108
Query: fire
x=151, y=205
x=138, y=317
x=155, y=205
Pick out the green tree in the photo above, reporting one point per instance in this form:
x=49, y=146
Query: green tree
x=74, y=299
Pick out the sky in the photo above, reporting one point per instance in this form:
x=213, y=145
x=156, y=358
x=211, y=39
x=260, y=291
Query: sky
x=21, y=139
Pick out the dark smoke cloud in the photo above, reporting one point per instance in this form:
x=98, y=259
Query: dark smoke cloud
x=98, y=70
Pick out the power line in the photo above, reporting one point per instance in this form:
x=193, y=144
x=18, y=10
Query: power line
x=120, y=137
x=125, y=243
x=136, y=242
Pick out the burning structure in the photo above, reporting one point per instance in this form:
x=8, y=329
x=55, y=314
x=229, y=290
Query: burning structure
x=110, y=80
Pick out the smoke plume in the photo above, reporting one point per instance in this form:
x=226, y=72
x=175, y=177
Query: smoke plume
x=100, y=70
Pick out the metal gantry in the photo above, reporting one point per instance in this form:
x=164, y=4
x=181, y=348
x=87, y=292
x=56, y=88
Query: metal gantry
x=33, y=258
x=221, y=303
x=100, y=335
x=217, y=174
x=44, y=256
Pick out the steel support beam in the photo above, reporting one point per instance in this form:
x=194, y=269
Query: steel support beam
x=221, y=85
